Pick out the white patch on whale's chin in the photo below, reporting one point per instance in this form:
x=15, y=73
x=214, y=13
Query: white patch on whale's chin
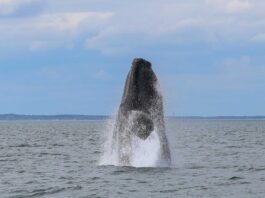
x=146, y=152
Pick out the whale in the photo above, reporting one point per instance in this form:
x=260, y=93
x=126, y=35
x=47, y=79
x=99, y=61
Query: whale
x=140, y=112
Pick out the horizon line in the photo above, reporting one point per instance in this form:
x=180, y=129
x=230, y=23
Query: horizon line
x=98, y=115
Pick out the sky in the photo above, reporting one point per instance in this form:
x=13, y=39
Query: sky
x=72, y=56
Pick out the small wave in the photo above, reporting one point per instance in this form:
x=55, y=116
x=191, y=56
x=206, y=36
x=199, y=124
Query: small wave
x=194, y=166
x=43, y=192
x=21, y=145
x=235, y=178
x=24, y=145
x=245, y=182
x=142, y=182
x=49, y=191
x=233, y=146
x=128, y=179
x=95, y=178
x=8, y=160
x=53, y=154
x=260, y=169
x=168, y=191
x=57, y=145
x=118, y=172
x=31, y=182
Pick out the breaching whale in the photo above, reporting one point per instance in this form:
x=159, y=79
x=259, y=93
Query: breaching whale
x=140, y=112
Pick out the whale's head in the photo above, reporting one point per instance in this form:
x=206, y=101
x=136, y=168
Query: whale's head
x=140, y=94
x=140, y=87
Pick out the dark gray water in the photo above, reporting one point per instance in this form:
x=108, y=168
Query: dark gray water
x=212, y=158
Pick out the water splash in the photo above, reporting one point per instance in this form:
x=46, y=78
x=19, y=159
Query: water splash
x=143, y=153
x=110, y=154
x=146, y=152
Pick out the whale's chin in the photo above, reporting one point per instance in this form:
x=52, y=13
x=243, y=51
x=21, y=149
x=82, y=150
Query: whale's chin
x=142, y=124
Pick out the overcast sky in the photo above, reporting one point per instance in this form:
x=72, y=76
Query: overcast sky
x=72, y=56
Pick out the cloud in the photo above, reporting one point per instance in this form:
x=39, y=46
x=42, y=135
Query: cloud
x=232, y=74
x=102, y=75
x=231, y=6
x=38, y=45
x=69, y=21
x=51, y=30
x=7, y=7
x=243, y=74
x=237, y=62
x=236, y=6
x=16, y=8
x=260, y=38
x=181, y=22
x=117, y=29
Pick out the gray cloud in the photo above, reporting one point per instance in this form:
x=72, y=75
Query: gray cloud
x=127, y=26
x=47, y=31
x=21, y=8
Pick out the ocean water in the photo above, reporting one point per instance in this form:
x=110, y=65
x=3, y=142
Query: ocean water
x=211, y=158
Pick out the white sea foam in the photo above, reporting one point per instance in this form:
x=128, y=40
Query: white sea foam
x=146, y=152
x=110, y=154
x=143, y=153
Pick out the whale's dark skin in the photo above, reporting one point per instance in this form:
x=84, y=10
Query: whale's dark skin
x=140, y=111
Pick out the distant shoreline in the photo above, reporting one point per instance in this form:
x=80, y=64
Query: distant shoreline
x=51, y=117
x=104, y=117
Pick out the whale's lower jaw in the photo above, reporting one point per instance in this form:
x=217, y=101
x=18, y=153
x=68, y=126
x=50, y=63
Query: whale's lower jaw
x=142, y=124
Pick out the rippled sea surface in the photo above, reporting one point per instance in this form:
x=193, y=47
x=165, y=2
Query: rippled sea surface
x=212, y=158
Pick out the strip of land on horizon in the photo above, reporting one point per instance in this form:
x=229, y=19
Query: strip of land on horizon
x=103, y=117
